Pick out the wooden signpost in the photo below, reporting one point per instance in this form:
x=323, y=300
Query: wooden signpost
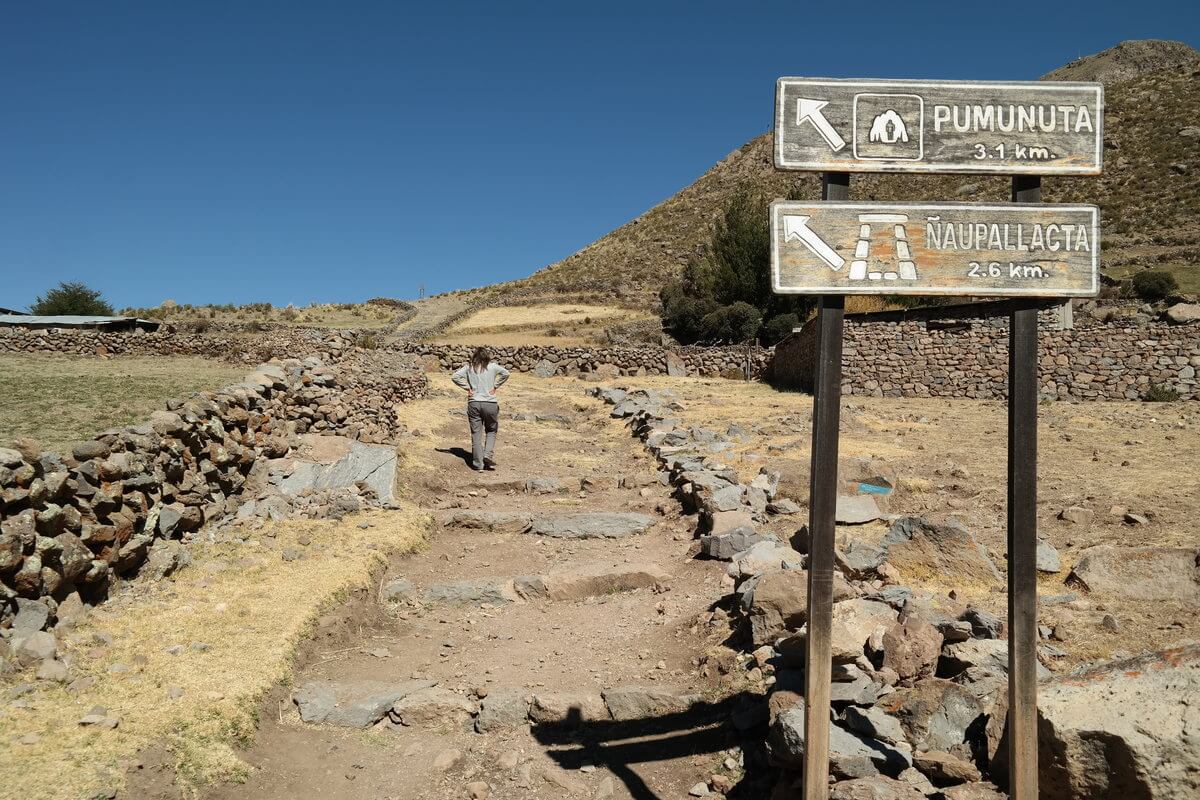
x=1030, y=128
x=1024, y=249
x=935, y=249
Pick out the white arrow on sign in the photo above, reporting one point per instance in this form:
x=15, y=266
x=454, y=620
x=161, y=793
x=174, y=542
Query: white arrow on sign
x=795, y=227
x=811, y=110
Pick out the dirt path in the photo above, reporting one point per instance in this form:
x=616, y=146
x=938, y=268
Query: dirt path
x=621, y=612
x=432, y=313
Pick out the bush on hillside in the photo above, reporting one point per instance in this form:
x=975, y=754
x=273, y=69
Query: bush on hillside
x=70, y=298
x=711, y=301
x=1154, y=285
x=778, y=328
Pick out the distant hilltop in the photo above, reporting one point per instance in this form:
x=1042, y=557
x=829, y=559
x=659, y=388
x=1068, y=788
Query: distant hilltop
x=1149, y=193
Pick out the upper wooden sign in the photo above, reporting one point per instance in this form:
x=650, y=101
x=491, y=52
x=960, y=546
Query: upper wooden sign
x=1030, y=249
x=1029, y=127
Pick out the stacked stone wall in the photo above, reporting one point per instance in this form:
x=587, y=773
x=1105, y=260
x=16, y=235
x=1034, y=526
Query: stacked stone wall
x=969, y=358
x=75, y=523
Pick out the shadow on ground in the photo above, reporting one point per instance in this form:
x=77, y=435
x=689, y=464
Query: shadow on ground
x=704, y=728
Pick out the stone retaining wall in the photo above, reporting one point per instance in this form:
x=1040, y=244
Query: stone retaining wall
x=969, y=358
x=704, y=361
x=75, y=523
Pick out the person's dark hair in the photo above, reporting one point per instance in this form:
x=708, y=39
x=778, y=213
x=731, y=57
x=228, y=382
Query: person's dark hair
x=480, y=359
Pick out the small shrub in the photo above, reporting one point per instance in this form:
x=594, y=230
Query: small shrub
x=777, y=328
x=369, y=341
x=732, y=323
x=1154, y=285
x=1161, y=393
x=289, y=314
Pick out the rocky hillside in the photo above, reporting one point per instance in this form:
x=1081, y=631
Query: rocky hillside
x=1149, y=193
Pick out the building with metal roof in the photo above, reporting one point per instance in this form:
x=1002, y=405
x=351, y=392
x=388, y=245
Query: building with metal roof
x=78, y=322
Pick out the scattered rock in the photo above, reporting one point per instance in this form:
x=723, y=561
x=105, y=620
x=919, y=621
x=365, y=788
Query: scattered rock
x=854, y=621
x=1140, y=573
x=1183, y=313
x=544, y=369
x=1047, y=558
x=447, y=759
x=727, y=545
x=945, y=769
x=912, y=648
x=875, y=723
x=875, y=787
x=935, y=714
x=1077, y=515
x=850, y=754
x=32, y=616
x=478, y=790
x=856, y=509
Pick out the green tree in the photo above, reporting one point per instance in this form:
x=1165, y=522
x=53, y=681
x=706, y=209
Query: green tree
x=736, y=271
x=1154, y=285
x=70, y=298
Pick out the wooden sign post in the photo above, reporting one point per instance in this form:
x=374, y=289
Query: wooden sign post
x=1024, y=249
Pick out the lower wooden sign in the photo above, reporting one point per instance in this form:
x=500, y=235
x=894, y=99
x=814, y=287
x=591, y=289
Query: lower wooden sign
x=1028, y=249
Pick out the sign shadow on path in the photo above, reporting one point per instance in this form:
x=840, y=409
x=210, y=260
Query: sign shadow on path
x=620, y=745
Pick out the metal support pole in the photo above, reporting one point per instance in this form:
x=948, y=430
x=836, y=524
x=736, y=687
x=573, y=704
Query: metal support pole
x=1022, y=534
x=822, y=501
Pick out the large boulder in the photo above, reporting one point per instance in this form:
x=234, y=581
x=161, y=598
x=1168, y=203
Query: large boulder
x=1140, y=573
x=340, y=463
x=947, y=551
x=1126, y=729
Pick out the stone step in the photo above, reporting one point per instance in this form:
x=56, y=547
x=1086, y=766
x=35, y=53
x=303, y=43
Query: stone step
x=583, y=525
x=576, y=583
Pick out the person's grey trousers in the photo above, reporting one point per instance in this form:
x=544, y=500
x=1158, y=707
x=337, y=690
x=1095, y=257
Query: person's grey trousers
x=484, y=419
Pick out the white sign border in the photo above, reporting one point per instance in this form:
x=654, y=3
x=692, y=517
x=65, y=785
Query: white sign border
x=778, y=206
x=929, y=168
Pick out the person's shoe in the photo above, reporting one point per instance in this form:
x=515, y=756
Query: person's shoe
x=489, y=463
x=477, y=467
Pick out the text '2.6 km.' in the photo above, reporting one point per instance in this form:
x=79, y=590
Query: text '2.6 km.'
x=1027, y=127
x=935, y=249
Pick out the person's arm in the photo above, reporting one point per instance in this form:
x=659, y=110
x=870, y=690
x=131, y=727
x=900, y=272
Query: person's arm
x=501, y=375
x=460, y=378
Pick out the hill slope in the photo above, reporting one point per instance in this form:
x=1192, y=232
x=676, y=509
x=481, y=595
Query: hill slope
x=1149, y=193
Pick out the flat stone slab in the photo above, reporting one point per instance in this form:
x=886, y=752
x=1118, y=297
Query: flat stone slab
x=338, y=463
x=492, y=591
x=1140, y=573
x=351, y=704
x=511, y=521
x=642, y=702
x=591, y=525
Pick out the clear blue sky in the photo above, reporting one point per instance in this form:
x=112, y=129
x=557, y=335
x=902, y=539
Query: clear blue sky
x=302, y=151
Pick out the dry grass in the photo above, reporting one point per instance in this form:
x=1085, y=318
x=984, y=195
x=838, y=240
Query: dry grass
x=59, y=399
x=314, y=315
x=510, y=317
x=246, y=604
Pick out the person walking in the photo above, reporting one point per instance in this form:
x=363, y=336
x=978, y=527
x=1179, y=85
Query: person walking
x=481, y=377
